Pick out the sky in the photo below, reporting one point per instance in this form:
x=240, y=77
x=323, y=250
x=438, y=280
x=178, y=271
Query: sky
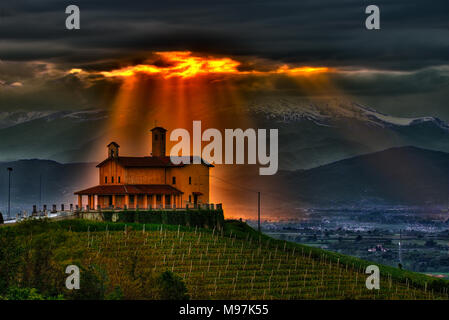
x=401, y=69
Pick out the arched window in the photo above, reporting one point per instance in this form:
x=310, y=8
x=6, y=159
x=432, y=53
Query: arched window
x=173, y=180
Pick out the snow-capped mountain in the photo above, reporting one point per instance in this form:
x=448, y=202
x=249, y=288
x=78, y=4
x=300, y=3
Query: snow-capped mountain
x=324, y=111
x=311, y=132
x=13, y=118
x=57, y=135
x=320, y=131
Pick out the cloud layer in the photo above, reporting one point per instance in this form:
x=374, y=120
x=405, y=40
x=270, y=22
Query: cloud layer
x=400, y=68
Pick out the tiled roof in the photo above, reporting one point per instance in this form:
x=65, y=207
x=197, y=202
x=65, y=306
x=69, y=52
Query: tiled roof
x=130, y=189
x=149, y=162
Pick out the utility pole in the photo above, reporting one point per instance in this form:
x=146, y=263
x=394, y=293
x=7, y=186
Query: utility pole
x=9, y=192
x=40, y=192
x=258, y=211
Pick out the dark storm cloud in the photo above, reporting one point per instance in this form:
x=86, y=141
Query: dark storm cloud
x=36, y=50
x=413, y=33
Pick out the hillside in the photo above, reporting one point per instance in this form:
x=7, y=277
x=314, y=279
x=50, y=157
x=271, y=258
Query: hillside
x=397, y=176
x=121, y=261
x=403, y=176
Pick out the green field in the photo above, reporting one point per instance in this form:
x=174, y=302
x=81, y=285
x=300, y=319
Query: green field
x=124, y=260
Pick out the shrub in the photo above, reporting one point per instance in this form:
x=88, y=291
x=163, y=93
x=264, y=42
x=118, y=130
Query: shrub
x=171, y=287
x=15, y=293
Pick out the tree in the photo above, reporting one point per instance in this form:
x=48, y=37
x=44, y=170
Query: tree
x=171, y=287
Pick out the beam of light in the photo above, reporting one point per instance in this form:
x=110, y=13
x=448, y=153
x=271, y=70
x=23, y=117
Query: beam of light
x=179, y=87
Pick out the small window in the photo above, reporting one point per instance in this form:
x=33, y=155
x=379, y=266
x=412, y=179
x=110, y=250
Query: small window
x=118, y=179
x=112, y=179
x=190, y=180
x=105, y=179
x=173, y=180
x=190, y=198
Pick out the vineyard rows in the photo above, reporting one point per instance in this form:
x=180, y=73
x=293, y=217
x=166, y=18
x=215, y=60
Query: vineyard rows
x=214, y=266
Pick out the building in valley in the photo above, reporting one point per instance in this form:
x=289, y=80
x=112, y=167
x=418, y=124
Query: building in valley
x=147, y=182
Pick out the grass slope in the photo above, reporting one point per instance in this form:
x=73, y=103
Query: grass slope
x=234, y=263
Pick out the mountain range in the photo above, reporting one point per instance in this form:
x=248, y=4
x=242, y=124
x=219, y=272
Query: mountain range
x=311, y=133
x=324, y=131
x=404, y=176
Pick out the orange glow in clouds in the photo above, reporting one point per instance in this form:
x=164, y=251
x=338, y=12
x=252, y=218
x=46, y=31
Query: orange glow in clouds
x=179, y=64
x=185, y=65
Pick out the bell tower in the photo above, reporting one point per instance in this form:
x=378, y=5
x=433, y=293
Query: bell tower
x=113, y=150
x=158, y=141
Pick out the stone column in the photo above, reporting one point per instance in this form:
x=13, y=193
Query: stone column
x=153, y=200
x=127, y=200
x=145, y=202
x=113, y=201
x=163, y=201
x=80, y=201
